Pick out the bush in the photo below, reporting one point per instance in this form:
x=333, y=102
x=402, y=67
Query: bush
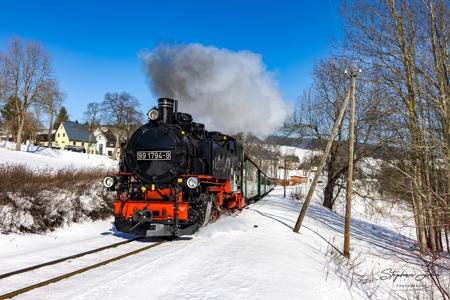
x=39, y=201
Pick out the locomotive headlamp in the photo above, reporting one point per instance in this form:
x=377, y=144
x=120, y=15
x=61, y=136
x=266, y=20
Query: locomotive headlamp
x=192, y=182
x=153, y=114
x=109, y=181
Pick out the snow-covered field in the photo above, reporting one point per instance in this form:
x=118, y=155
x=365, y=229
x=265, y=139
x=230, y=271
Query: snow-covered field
x=250, y=255
x=41, y=158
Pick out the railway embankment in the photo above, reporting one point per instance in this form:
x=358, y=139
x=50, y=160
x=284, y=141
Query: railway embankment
x=43, y=189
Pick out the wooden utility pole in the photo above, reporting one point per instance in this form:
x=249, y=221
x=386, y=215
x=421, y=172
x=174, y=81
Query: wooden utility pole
x=351, y=149
x=312, y=188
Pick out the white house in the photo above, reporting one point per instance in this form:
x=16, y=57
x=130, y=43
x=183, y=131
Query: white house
x=106, y=141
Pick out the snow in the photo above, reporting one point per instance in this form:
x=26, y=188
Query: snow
x=30, y=249
x=302, y=154
x=253, y=254
x=249, y=255
x=41, y=158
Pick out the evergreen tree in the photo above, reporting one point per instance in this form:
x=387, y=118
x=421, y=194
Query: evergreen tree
x=61, y=117
x=8, y=111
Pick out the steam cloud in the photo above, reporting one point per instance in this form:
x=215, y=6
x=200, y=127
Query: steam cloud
x=228, y=91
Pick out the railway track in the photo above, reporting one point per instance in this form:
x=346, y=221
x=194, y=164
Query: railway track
x=76, y=272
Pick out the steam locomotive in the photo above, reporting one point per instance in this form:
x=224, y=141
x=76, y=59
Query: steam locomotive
x=176, y=177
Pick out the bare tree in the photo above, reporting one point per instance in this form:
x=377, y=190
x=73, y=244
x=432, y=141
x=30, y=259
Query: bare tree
x=50, y=100
x=2, y=76
x=318, y=111
x=91, y=117
x=26, y=71
x=133, y=117
x=120, y=111
x=407, y=43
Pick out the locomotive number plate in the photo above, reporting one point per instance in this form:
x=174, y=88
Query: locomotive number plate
x=154, y=155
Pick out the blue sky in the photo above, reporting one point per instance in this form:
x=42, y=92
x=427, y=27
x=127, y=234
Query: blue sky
x=95, y=45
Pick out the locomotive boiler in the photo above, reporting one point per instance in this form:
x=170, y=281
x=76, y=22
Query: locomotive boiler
x=175, y=176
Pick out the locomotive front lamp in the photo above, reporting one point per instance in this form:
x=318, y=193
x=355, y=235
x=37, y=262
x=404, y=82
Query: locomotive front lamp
x=153, y=114
x=109, y=181
x=192, y=182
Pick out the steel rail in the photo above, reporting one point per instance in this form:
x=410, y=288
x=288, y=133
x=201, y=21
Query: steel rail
x=56, y=261
x=71, y=274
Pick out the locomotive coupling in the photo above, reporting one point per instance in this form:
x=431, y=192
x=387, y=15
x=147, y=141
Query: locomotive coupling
x=143, y=215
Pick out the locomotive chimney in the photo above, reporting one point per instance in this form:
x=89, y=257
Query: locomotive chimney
x=165, y=107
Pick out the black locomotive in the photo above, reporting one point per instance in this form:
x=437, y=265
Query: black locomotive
x=175, y=176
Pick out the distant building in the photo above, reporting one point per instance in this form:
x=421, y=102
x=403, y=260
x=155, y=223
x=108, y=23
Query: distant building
x=106, y=141
x=75, y=137
x=5, y=136
x=42, y=138
x=296, y=179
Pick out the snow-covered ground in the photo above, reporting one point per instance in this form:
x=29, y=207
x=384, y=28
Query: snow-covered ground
x=250, y=255
x=41, y=158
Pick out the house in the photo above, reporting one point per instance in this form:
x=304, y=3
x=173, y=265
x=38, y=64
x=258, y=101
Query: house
x=5, y=136
x=297, y=179
x=106, y=141
x=75, y=137
x=42, y=138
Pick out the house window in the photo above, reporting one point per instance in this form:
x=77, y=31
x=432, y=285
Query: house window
x=58, y=134
x=64, y=134
x=74, y=143
x=82, y=144
x=109, y=153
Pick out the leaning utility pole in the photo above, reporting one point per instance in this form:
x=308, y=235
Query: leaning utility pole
x=312, y=188
x=351, y=144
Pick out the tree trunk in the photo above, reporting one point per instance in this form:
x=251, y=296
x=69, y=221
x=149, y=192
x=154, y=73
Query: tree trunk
x=20, y=123
x=328, y=193
x=50, y=127
x=422, y=239
x=432, y=230
x=446, y=238
x=116, y=147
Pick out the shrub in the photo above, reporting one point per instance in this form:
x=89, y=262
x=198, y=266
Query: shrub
x=42, y=200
